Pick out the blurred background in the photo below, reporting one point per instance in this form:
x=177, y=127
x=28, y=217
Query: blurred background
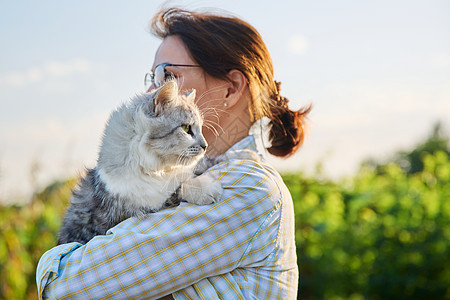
x=375, y=160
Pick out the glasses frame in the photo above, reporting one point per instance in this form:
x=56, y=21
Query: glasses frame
x=151, y=75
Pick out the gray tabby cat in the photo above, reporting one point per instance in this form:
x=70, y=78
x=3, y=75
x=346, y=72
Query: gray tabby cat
x=145, y=164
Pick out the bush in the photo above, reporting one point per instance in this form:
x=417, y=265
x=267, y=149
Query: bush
x=26, y=233
x=379, y=236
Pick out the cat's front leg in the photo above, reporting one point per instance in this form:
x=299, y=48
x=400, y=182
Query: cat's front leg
x=201, y=190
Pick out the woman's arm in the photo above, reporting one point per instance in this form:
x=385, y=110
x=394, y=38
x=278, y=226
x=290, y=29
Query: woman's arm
x=169, y=250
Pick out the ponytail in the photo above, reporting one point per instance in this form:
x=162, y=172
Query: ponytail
x=287, y=127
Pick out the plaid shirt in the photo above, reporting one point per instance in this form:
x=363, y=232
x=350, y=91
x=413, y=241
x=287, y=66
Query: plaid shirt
x=241, y=247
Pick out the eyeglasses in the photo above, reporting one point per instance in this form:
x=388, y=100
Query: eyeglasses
x=160, y=75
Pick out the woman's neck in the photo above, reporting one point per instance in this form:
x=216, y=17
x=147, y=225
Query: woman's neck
x=234, y=125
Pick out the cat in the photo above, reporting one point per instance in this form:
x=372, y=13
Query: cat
x=146, y=162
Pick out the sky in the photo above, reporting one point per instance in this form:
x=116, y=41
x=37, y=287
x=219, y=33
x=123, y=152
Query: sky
x=376, y=72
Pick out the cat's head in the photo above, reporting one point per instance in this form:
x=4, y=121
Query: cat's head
x=156, y=131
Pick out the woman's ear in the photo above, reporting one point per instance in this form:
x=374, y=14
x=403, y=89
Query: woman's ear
x=236, y=87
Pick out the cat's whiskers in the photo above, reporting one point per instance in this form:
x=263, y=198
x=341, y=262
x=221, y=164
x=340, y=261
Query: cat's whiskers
x=216, y=104
x=211, y=113
x=180, y=158
x=185, y=158
x=211, y=125
x=209, y=91
x=175, y=177
x=216, y=109
x=207, y=102
x=212, y=128
x=211, y=122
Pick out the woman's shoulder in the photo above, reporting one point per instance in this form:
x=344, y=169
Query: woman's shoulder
x=250, y=179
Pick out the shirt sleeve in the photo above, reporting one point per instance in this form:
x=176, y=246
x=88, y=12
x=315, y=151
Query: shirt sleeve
x=166, y=251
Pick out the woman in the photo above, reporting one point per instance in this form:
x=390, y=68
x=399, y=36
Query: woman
x=239, y=248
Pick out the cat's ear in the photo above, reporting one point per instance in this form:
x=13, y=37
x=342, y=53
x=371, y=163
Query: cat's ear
x=166, y=94
x=190, y=95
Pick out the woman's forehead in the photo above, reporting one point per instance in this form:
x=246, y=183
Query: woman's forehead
x=172, y=50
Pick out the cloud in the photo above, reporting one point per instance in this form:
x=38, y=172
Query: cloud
x=50, y=69
x=297, y=45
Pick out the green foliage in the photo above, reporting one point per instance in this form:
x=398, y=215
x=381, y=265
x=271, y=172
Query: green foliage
x=26, y=232
x=412, y=161
x=378, y=236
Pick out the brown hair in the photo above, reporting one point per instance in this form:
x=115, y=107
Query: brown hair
x=220, y=44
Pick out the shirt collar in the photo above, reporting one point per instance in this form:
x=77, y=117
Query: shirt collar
x=246, y=143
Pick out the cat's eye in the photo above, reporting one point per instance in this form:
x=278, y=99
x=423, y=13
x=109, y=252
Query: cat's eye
x=187, y=128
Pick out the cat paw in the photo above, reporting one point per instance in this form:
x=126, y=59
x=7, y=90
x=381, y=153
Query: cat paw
x=201, y=190
x=204, y=164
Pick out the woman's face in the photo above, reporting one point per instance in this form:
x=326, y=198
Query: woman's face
x=210, y=92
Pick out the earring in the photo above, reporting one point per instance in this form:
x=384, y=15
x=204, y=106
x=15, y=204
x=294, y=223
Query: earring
x=225, y=104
